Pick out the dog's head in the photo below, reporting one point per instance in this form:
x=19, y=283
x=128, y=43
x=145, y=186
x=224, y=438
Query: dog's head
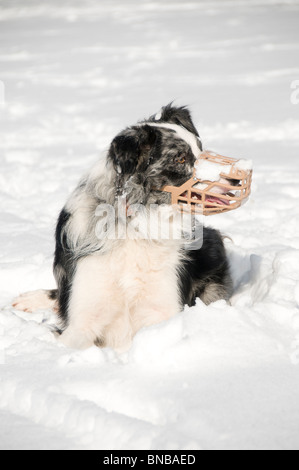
x=154, y=153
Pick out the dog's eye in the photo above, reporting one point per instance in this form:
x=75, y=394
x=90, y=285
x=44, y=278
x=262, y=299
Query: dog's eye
x=181, y=159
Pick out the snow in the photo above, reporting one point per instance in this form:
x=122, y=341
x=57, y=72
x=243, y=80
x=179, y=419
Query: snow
x=244, y=165
x=210, y=171
x=75, y=74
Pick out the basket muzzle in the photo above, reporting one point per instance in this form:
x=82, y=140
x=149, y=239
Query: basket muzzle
x=219, y=184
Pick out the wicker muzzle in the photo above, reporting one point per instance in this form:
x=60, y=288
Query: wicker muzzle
x=213, y=197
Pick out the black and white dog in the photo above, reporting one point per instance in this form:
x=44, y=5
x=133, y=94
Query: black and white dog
x=108, y=289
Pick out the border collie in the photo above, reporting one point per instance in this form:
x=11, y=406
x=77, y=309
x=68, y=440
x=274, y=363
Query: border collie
x=108, y=288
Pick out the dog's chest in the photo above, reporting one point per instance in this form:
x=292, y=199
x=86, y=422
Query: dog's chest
x=137, y=268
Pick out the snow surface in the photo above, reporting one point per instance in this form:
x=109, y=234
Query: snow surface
x=75, y=73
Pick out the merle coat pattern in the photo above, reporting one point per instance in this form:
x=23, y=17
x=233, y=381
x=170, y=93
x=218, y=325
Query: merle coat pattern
x=108, y=289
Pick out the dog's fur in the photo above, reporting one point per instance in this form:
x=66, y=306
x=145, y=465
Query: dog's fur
x=108, y=289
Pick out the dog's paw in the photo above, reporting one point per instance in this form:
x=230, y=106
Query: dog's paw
x=32, y=301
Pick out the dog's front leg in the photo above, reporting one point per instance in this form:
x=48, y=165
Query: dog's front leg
x=31, y=302
x=160, y=300
x=92, y=305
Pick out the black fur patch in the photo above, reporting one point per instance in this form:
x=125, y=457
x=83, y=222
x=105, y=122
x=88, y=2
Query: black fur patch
x=53, y=294
x=205, y=267
x=177, y=115
x=131, y=149
x=63, y=266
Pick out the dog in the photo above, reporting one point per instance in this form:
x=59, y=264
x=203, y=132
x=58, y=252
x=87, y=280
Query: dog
x=109, y=288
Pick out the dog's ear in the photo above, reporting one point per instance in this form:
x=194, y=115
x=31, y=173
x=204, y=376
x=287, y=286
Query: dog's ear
x=131, y=149
x=180, y=116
